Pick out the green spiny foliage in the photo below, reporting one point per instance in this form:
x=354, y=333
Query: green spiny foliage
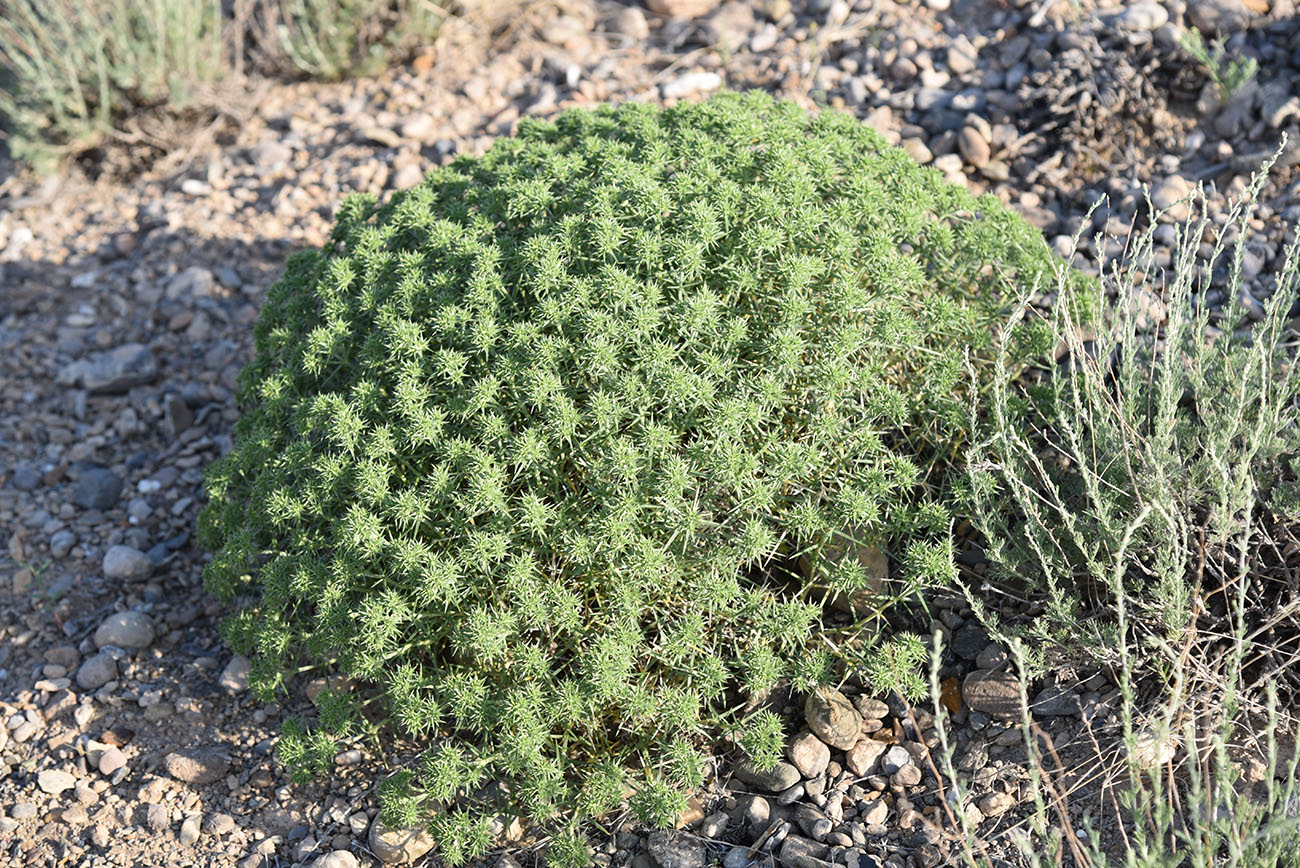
x=520, y=443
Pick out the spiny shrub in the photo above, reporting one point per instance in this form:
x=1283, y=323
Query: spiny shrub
x=521, y=444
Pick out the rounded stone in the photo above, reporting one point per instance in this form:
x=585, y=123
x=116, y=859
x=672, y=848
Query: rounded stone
x=111, y=760
x=832, y=718
x=125, y=564
x=96, y=671
x=861, y=758
x=55, y=781
x=336, y=859
x=125, y=630
x=773, y=780
x=809, y=754
x=392, y=846
x=198, y=765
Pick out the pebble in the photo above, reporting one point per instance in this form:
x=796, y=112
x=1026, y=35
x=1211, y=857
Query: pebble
x=861, y=758
x=118, y=370
x=125, y=564
x=757, y=812
x=737, y=857
x=1168, y=195
x=1055, y=701
x=996, y=693
x=774, y=780
x=61, y=543
x=973, y=146
x=130, y=629
x=681, y=8
x=1219, y=16
x=714, y=825
x=97, y=488
x=809, y=754
x=1143, y=17
x=98, y=670
x=832, y=718
x=894, y=759
x=111, y=760
x=672, y=849
x=398, y=845
x=218, y=825
x=189, y=832
x=235, y=676
x=691, y=83
x=23, y=811
x=906, y=776
x=205, y=764
x=996, y=803
x=55, y=781
x=336, y=859
x=157, y=817
x=630, y=23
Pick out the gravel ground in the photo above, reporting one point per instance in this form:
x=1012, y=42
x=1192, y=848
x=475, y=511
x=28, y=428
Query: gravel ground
x=127, y=291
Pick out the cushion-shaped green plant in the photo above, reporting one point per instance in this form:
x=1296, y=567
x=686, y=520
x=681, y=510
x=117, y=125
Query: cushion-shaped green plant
x=521, y=445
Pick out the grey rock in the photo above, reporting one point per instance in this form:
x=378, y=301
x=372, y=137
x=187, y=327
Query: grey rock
x=61, y=542
x=714, y=824
x=118, y=370
x=189, y=832
x=23, y=811
x=800, y=852
x=54, y=781
x=336, y=859
x=729, y=25
x=991, y=656
x=773, y=780
x=218, y=825
x=125, y=564
x=391, y=846
x=691, y=83
x=737, y=857
x=671, y=849
x=97, y=488
x=96, y=671
x=128, y=629
x=25, y=477
x=157, y=817
x=757, y=812
x=1219, y=16
x=194, y=282
x=205, y=764
x=111, y=760
x=995, y=693
x=832, y=718
x=894, y=759
x=235, y=676
x=809, y=754
x=1142, y=17
x=969, y=640
x=1055, y=701
x=870, y=708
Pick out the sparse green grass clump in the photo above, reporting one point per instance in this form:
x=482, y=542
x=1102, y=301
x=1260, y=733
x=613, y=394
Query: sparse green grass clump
x=69, y=69
x=525, y=447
